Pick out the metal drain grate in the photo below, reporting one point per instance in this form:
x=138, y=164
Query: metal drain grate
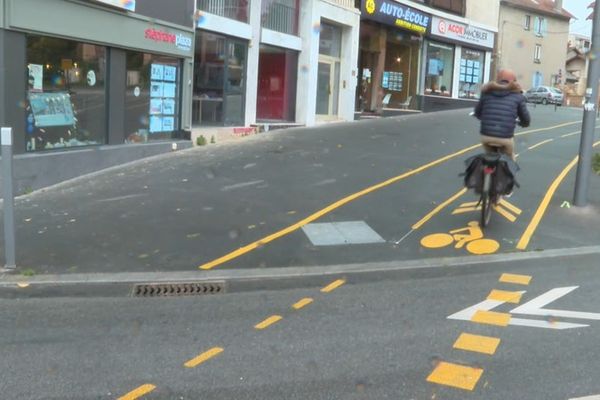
x=178, y=289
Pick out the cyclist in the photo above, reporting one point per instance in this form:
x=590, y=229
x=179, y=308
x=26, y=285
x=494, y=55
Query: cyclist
x=499, y=106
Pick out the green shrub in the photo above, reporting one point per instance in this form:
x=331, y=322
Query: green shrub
x=596, y=163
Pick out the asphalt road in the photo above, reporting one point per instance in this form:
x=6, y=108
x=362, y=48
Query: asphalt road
x=184, y=210
x=359, y=341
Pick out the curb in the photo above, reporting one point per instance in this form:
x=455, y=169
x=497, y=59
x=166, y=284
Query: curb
x=242, y=280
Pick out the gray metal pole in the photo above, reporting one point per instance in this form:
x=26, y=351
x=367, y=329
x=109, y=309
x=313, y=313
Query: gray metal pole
x=9, y=200
x=584, y=167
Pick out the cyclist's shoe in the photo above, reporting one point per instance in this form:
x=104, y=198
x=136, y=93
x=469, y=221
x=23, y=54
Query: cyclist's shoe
x=508, y=195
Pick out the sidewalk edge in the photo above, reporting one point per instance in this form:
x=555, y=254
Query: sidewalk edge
x=238, y=280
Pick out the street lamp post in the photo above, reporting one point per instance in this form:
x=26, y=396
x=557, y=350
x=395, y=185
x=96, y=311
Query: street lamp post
x=584, y=166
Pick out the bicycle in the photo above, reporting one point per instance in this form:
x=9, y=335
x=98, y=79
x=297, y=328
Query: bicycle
x=489, y=197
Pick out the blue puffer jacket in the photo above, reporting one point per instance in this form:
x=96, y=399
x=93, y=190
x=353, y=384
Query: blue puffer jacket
x=499, y=107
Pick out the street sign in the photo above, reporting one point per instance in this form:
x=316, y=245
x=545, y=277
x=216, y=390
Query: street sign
x=534, y=307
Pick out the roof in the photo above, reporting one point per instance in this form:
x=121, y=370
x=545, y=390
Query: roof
x=543, y=6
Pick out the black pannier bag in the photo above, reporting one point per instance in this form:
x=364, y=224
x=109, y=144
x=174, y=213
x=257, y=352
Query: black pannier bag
x=504, y=179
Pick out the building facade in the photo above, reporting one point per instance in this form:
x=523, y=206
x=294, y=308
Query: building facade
x=90, y=84
x=583, y=43
x=274, y=62
x=533, y=40
x=424, y=55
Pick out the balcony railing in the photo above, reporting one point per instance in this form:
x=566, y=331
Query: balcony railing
x=233, y=9
x=344, y=3
x=281, y=16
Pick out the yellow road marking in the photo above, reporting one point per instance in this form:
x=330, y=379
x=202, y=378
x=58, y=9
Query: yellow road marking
x=302, y=303
x=476, y=343
x=540, y=143
x=539, y=214
x=268, y=322
x=333, y=285
x=458, y=376
x=515, y=278
x=547, y=129
x=491, y=318
x=439, y=208
x=313, y=217
x=506, y=296
x=139, y=392
x=483, y=246
x=207, y=355
x=465, y=210
x=510, y=207
x=437, y=240
x=469, y=204
x=570, y=134
x=505, y=213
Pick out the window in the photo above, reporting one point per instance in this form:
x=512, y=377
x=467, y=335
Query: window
x=330, y=40
x=538, y=80
x=440, y=62
x=540, y=26
x=453, y=6
x=152, y=97
x=281, y=15
x=537, y=55
x=527, y=22
x=471, y=73
x=66, y=94
x=233, y=9
x=219, y=80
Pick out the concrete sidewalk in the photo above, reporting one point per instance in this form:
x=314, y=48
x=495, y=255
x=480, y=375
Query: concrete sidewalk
x=173, y=213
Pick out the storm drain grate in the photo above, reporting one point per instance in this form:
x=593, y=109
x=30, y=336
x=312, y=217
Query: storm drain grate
x=178, y=289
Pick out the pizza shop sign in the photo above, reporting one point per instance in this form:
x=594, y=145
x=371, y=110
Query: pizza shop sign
x=461, y=32
x=181, y=41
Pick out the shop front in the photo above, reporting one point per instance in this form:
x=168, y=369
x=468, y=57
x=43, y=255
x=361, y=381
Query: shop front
x=413, y=59
x=85, y=86
x=457, y=63
x=391, y=38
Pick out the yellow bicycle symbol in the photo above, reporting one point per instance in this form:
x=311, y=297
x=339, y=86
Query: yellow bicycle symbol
x=470, y=237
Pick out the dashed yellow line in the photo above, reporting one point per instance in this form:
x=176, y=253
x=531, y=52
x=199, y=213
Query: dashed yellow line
x=302, y=303
x=515, y=278
x=476, y=343
x=540, y=144
x=455, y=375
x=139, y=392
x=491, y=318
x=333, y=285
x=505, y=296
x=207, y=355
x=268, y=322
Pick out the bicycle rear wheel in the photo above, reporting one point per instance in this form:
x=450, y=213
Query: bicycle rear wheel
x=486, y=201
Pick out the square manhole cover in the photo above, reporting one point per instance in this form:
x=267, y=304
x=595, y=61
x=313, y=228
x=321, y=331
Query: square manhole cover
x=340, y=233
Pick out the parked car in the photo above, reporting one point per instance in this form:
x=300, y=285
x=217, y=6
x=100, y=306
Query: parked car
x=544, y=95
